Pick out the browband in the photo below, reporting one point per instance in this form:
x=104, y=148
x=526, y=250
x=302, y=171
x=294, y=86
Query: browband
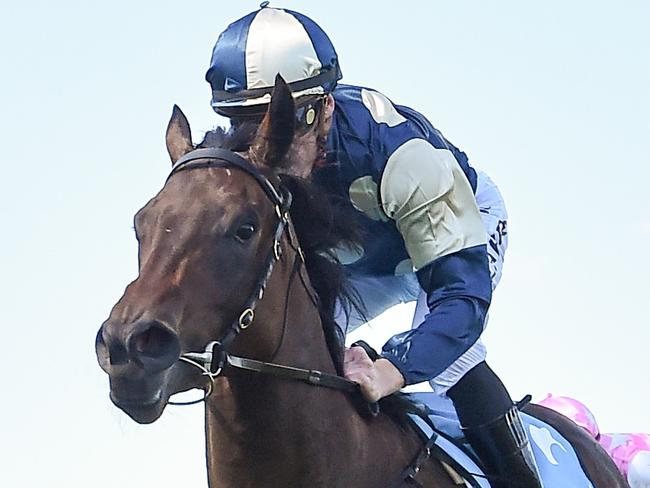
x=217, y=155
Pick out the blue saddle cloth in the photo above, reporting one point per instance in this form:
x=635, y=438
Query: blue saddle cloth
x=557, y=461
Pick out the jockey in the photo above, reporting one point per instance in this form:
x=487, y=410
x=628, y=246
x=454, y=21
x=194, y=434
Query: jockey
x=630, y=452
x=435, y=227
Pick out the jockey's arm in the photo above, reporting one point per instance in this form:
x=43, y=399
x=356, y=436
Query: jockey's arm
x=425, y=191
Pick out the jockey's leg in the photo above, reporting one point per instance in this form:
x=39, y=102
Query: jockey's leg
x=493, y=428
x=489, y=418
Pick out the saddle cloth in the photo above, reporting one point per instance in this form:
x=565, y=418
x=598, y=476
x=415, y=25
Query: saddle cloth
x=557, y=461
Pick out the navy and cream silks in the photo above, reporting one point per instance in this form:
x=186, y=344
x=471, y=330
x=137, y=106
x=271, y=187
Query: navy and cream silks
x=414, y=193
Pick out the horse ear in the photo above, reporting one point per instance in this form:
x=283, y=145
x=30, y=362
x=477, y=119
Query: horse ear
x=276, y=131
x=179, y=136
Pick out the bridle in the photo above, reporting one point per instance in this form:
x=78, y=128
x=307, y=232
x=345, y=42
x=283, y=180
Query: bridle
x=215, y=357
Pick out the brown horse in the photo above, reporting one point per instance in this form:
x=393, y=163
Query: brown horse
x=219, y=260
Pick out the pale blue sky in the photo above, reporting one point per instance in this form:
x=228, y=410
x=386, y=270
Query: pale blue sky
x=552, y=99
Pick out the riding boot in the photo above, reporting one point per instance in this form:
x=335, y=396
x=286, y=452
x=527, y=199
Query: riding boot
x=493, y=428
x=503, y=447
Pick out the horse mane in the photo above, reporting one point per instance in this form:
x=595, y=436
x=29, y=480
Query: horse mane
x=322, y=223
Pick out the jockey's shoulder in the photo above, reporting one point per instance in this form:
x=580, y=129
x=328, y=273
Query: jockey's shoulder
x=373, y=100
x=369, y=114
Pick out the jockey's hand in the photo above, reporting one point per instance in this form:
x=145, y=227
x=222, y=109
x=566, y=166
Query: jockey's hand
x=376, y=379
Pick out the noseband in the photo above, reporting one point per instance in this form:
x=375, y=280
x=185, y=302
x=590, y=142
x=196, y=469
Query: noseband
x=215, y=356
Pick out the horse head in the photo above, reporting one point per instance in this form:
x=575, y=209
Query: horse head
x=204, y=245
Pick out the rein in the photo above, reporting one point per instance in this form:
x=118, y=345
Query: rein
x=215, y=357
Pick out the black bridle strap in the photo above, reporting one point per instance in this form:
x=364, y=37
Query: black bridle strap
x=311, y=376
x=216, y=356
x=214, y=157
x=251, y=303
x=217, y=156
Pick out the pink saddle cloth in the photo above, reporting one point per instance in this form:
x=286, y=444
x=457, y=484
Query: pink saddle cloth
x=624, y=450
x=630, y=452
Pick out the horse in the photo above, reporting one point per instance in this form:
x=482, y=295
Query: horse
x=236, y=296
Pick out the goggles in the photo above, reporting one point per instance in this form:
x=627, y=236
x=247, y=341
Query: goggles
x=306, y=115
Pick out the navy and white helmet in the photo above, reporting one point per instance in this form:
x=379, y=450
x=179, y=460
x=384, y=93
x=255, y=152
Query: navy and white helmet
x=254, y=49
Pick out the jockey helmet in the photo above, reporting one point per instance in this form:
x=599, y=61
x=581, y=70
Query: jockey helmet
x=575, y=410
x=254, y=49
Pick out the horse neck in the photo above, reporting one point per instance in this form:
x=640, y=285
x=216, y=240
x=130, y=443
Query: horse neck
x=252, y=416
x=276, y=432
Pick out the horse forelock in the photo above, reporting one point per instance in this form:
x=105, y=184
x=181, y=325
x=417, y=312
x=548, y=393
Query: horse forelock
x=237, y=138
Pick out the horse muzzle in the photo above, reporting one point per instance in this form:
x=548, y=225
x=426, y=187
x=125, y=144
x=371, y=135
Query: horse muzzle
x=138, y=359
x=149, y=344
x=143, y=400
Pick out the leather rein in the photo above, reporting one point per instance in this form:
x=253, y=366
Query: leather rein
x=215, y=357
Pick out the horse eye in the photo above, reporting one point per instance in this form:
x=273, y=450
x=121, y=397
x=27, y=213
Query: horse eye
x=245, y=232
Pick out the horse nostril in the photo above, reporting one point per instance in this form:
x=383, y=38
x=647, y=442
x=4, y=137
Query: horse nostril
x=154, y=346
x=109, y=350
x=152, y=342
x=117, y=354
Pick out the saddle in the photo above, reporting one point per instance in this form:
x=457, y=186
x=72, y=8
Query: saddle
x=434, y=418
